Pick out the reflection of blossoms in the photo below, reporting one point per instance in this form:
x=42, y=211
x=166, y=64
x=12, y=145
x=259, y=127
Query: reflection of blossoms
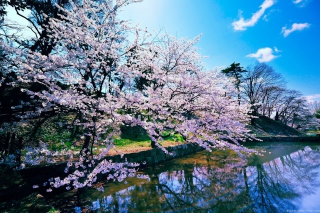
x=96, y=205
x=114, y=171
x=100, y=189
x=77, y=209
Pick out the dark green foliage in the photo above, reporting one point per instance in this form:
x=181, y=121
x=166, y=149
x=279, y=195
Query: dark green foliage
x=3, y=12
x=141, y=83
x=13, y=96
x=235, y=71
x=135, y=133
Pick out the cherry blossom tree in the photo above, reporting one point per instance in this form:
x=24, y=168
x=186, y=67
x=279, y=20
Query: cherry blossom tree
x=192, y=98
x=92, y=72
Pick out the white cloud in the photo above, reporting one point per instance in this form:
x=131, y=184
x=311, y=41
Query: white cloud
x=242, y=24
x=265, y=18
x=269, y=14
x=295, y=27
x=301, y=3
x=276, y=49
x=263, y=55
x=314, y=97
x=297, y=1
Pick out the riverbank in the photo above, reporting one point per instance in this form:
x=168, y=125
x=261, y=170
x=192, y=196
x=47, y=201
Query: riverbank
x=144, y=156
x=30, y=177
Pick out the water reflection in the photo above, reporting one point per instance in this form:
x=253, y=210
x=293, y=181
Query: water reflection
x=280, y=184
x=216, y=182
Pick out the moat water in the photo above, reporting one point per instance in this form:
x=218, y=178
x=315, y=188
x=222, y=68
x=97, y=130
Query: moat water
x=285, y=179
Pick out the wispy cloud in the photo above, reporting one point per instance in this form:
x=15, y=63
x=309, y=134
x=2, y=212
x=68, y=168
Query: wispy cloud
x=297, y=1
x=242, y=24
x=301, y=3
x=266, y=16
x=295, y=27
x=314, y=97
x=276, y=50
x=263, y=55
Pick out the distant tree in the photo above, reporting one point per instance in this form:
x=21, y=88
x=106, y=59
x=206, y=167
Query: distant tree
x=315, y=108
x=293, y=109
x=255, y=81
x=236, y=72
x=270, y=99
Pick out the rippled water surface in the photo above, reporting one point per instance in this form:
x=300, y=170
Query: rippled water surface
x=285, y=179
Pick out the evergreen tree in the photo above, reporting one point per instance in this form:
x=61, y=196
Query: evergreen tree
x=235, y=71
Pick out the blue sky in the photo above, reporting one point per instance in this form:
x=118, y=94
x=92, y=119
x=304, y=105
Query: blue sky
x=282, y=33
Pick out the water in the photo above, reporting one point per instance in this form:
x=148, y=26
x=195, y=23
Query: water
x=285, y=179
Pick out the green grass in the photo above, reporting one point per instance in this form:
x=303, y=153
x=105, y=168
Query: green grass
x=314, y=131
x=53, y=210
x=137, y=136
x=59, y=137
x=126, y=142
